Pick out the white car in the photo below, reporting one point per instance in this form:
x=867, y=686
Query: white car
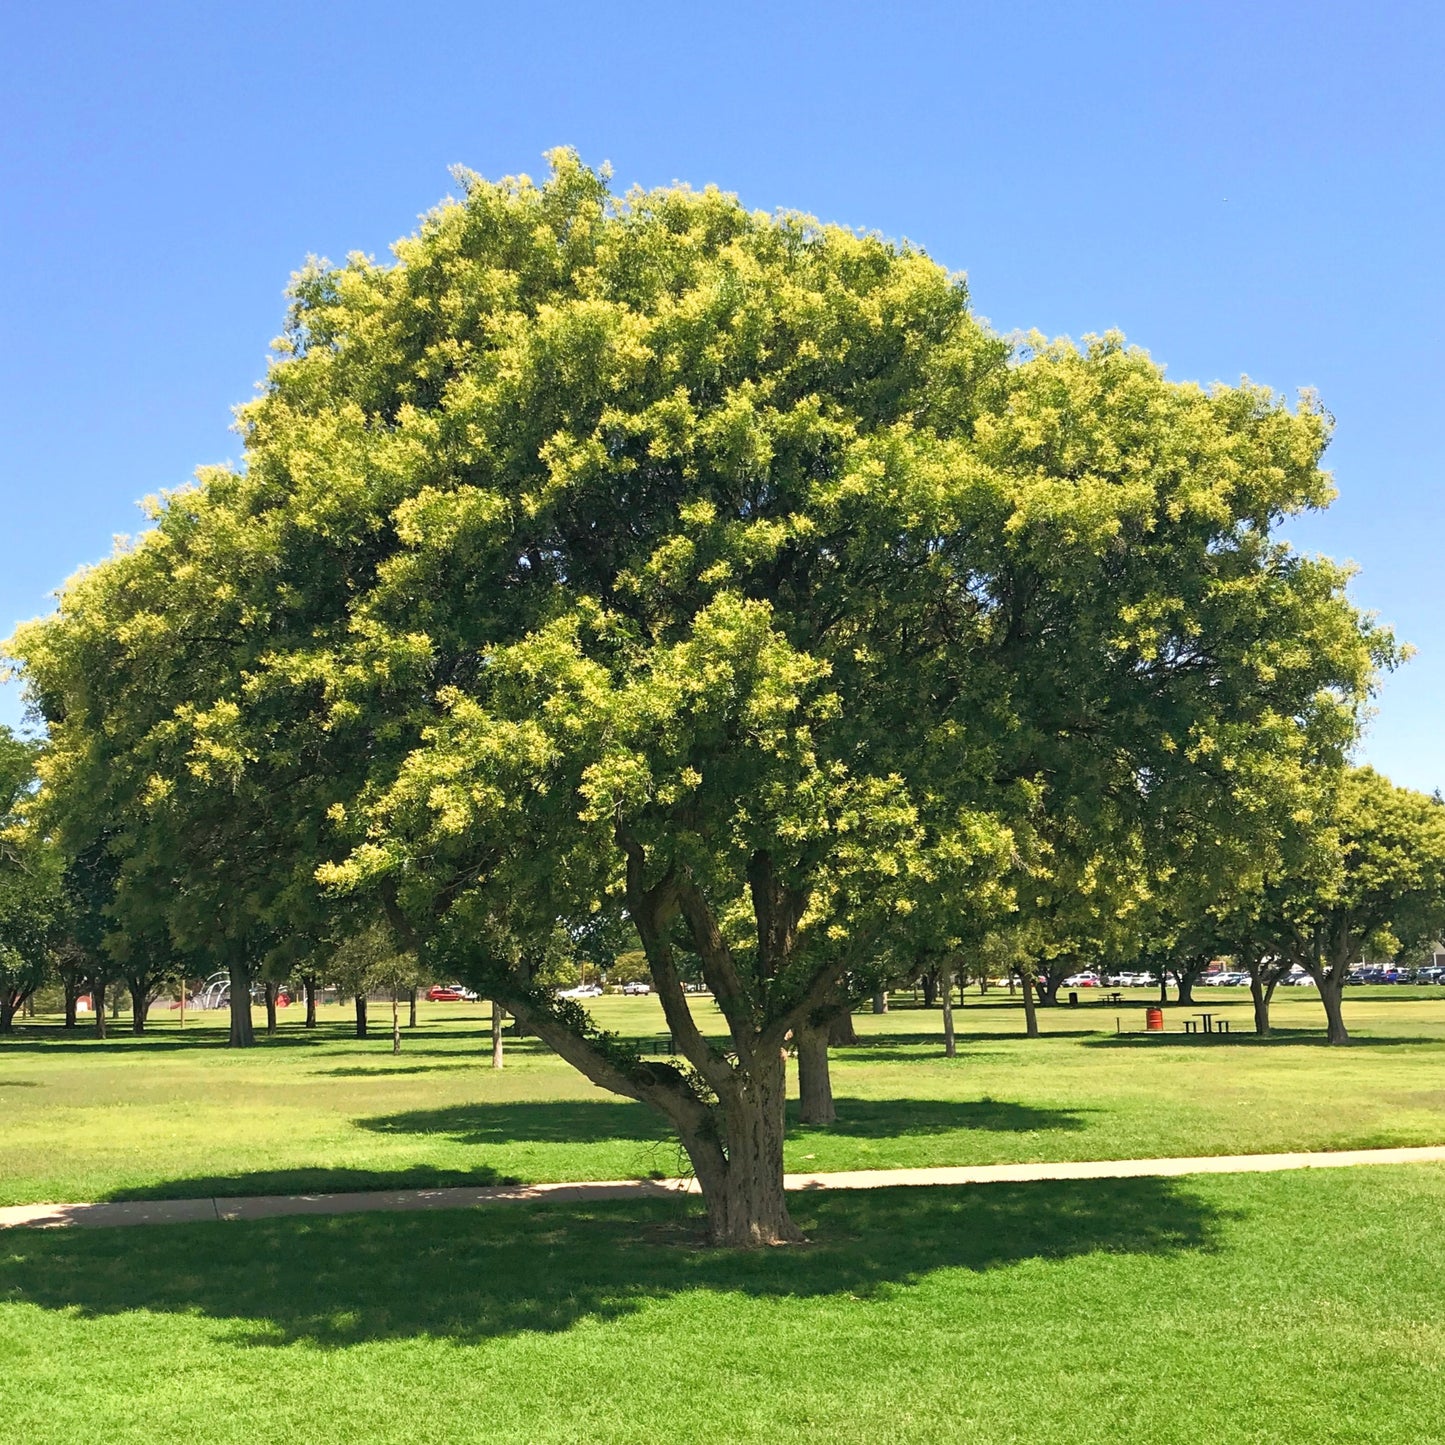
x=583, y=990
x=636, y=989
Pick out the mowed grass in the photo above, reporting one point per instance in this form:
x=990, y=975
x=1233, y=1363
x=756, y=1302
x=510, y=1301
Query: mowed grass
x=173, y=1114
x=1288, y=1307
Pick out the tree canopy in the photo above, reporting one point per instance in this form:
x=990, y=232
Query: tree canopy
x=649, y=552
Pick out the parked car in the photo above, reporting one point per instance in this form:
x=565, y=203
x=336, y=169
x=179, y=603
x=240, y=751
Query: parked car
x=445, y=993
x=1081, y=980
x=583, y=990
x=636, y=989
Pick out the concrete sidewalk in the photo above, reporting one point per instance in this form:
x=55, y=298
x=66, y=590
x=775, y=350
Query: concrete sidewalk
x=270, y=1206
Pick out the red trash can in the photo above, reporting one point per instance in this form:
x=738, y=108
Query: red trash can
x=1154, y=1020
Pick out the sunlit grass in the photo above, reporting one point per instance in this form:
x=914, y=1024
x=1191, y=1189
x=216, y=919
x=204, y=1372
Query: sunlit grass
x=1224, y=1309
x=173, y=1114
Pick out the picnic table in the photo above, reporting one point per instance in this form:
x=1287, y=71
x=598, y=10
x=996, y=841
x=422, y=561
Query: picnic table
x=1206, y=1023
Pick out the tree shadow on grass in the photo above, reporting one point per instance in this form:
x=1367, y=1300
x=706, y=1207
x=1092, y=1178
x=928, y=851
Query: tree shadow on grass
x=471, y=1275
x=897, y=1118
x=336, y=1038
x=895, y=1047
x=1276, y=1039
x=362, y=1071
x=587, y=1121
x=317, y=1179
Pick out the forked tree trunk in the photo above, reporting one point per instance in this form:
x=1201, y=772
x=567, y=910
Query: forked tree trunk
x=1186, y=978
x=497, y=1016
x=841, y=1033
x=361, y=1015
x=950, y=1043
x=309, y=984
x=1031, y=1018
x=742, y=1188
x=1331, y=994
x=1260, y=994
x=8, y=1006
x=243, y=1031
x=139, y=1008
x=271, y=990
x=815, y=1082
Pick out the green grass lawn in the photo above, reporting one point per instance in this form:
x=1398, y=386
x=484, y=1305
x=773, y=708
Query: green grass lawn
x=173, y=1115
x=1291, y=1307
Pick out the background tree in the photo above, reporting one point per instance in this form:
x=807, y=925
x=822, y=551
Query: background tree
x=1377, y=882
x=30, y=900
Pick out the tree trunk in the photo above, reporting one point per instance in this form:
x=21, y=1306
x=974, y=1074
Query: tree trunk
x=1163, y=987
x=880, y=1003
x=243, y=1031
x=361, y=1015
x=815, y=1083
x=271, y=990
x=841, y=1033
x=1331, y=991
x=950, y=1043
x=72, y=993
x=930, y=989
x=97, y=1002
x=742, y=1187
x=497, y=1015
x=1047, y=985
x=309, y=984
x=1184, y=987
x=395, y=1023
x=1031, y=1018
x=1261, y=1005
x=8, y=1005
x=411, y=1009
x=139, y=1008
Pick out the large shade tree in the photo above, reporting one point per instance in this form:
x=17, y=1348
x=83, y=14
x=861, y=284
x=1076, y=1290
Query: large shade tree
x=721, y=567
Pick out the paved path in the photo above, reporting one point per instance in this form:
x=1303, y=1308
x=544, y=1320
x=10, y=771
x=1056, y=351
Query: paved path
x=268, y=1206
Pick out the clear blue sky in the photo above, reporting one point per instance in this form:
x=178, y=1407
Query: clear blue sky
x=1240, y=188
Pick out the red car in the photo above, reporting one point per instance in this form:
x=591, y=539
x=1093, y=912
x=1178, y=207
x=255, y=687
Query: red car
x=444, y=993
